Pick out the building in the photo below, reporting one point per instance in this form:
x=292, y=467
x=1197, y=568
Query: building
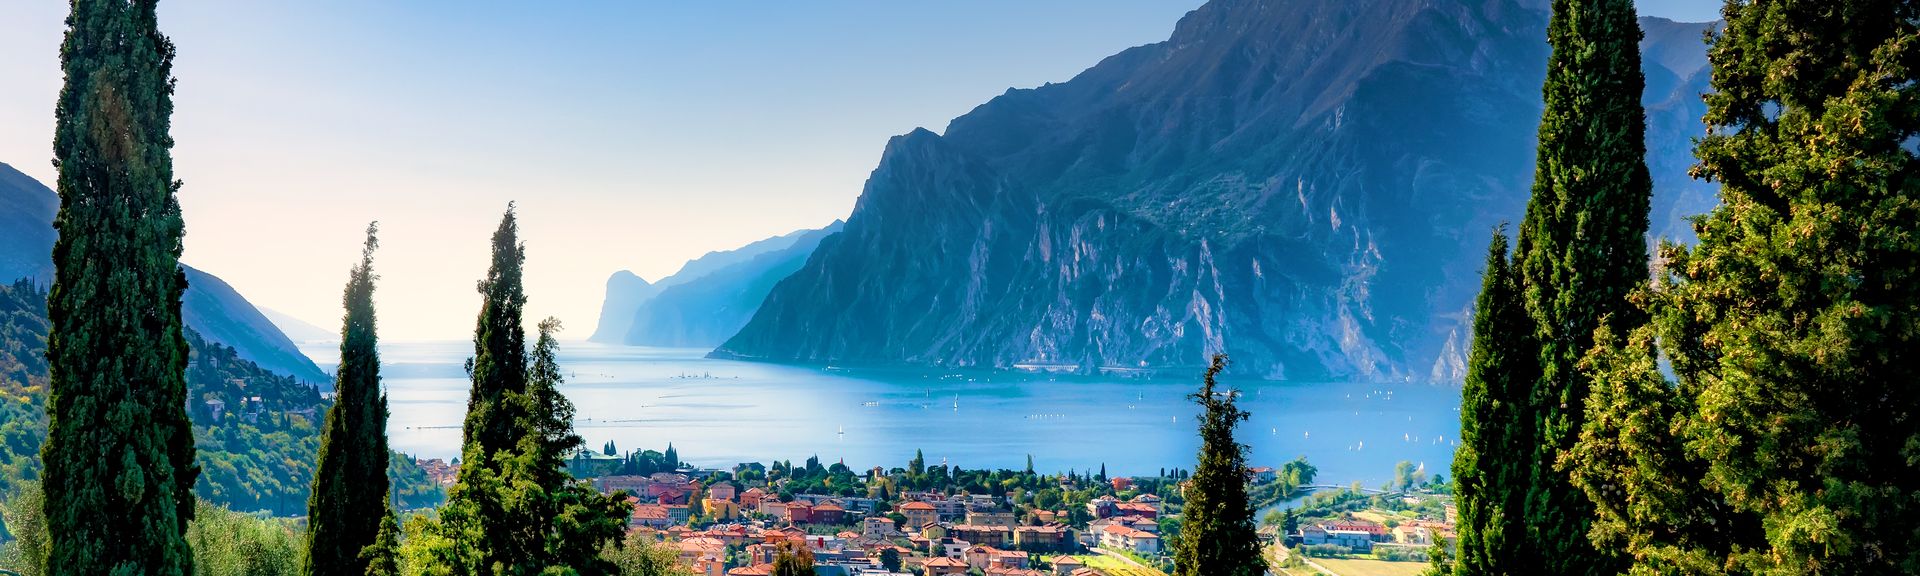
x=1413, y=535
x=1121, y=537
x=919, y=514
x=650, y=516
x=632, y=485
x=829, y=512
x=1048, y=538
x=1102, y=507
x=879, y=526
x=944, y=566
x=995, y=536
x=1065, y=565
x=799, y=513
x=1263, y=475
x=992, y=518
x=1357, y=541
x=750, y=499
x=720, y=509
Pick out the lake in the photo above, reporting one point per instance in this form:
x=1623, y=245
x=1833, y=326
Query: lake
x=719, y=412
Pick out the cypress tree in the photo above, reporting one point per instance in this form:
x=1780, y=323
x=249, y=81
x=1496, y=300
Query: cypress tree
x=350, y=486
x=570, y=521
x=1794, y=327
x=1582, y=249
x=1217, y=535
x=119, y=469
x=1491, y=466
x=475, y=522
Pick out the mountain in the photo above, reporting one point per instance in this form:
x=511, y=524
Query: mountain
x=210, y=306
x=256, y=433
x=707, y=300
x=625, y=293
x=297, y=330
x=705, y=310
x=1306, y=185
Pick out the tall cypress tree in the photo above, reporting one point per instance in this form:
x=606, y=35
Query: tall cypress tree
x=1491, y=467
x=1582, y=250
x=119, y=468
x=1217, y=535
x=567, y=522
x=350, y=485
x=499, y=363
x=1795, y=325
x=476, y=522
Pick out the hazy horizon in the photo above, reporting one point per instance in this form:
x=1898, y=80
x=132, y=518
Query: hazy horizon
x=632, y=136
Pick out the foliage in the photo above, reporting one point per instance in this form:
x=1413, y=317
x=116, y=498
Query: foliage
x=1219, y=537
x=118, y=459
x=227, y=543
x=349, y=500
x=1790, y=441
x=24, y=550
x=1581, y=250
x=1489, y=469
x=514, y=509
x=793, y=561
x=638, y=555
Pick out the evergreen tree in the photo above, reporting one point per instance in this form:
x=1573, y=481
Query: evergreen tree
x=382, y=556
x=1582, y=249
x=1794, y=426
x=350, y=485
x=673, y=458
x=118, y=458
x=480, y=538
x=1491, y=466
x=1217, y=535
x=609, y=449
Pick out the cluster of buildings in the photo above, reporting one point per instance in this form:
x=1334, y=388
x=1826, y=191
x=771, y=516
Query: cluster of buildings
x=930, y=534
x=1361, y=536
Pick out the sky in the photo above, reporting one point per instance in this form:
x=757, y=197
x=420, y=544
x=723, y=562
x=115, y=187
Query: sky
x=631, y=135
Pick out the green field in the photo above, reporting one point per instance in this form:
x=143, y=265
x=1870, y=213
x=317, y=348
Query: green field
x=1372, y=567
x=1116, y=567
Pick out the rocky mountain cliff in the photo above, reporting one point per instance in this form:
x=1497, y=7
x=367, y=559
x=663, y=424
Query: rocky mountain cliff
x=705, y=310
x=625, y=293
x=210, y=306
x=1306, y=185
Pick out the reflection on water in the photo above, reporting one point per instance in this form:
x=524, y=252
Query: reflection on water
x=719, y=412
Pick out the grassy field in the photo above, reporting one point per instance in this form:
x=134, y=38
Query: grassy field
x=1372, y=567
x=1117, y=567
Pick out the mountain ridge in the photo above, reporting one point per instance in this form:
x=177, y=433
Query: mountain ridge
x=209, y=306
x=1307, y=186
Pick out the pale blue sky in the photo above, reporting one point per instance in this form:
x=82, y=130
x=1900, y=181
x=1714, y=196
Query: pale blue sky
x=634, y=135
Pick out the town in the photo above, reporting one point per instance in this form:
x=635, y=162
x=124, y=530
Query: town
x=940, y=519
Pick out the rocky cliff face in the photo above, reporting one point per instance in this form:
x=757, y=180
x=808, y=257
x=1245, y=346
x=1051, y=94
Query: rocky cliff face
x=626, y=292
x=703, y=310
x=1306, y=185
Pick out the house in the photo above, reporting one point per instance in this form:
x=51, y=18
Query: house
x=1139, y=509
x=1121, y=537
x=678, y=512
x=988, y=559
x=750, y=500
x=1102, y=507
x=216, y=408
x=1263, y=475
x=1375, y=531
x=879, y=526
x=1047, y=538
x=1358, y=541
x=799, y=513
x=919, y=514
x=1121, y=484
x=997, y=536
x=992, y=518
x=633, y=485
x=828, y=512
x=719, y=509
x=754, y=570
x=721, y=491
x=1413, y=534
x=1066, y=565
x=944, y=566
x=650, y=516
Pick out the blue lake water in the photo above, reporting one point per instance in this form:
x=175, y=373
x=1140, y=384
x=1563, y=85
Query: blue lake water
x=719, y=412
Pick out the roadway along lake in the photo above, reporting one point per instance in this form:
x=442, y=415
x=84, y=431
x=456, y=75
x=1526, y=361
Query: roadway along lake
x=718, y=412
